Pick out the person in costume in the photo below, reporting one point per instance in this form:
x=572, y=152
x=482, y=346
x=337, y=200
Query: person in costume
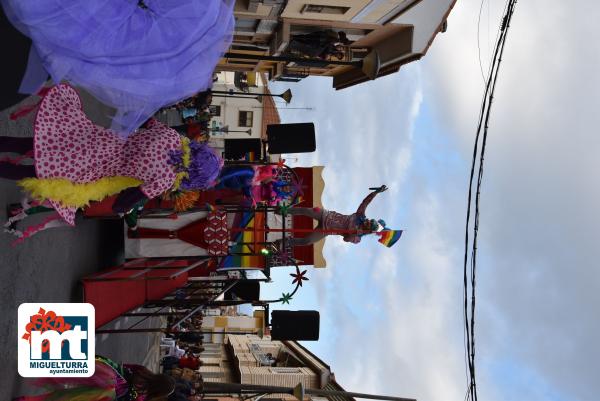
x=76, y=161
x=111, y=381
x=257, y=184
x=190, y=361
x=135, y=56
x=351, y=227
x=320, y=44
x=185, y=390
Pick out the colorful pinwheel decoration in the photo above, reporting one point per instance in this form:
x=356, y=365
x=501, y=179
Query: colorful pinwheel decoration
x=299, y=277
x=285, y=298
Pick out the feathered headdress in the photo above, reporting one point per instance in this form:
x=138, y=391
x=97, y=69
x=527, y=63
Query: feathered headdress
x=197, y=165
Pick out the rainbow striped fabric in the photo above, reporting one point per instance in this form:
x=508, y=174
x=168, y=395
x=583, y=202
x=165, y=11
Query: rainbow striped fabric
x=389, y=237
x=257, y=261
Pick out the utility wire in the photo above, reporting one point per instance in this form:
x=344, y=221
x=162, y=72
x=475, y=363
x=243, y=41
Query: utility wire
x=478, y=41
x=469, y=271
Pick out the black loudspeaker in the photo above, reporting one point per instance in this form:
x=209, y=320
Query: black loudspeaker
x=236, y=149
x=291, y=138
x=247, y=290
x=300, y=325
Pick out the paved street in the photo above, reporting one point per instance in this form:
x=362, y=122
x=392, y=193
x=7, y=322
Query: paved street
x=48, y=266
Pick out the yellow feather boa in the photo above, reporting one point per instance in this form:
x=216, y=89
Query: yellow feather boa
x=70, y=194
x=186, y=160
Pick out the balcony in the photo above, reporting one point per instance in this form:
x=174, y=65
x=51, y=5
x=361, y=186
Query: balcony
x=244, y=80
x=280, y=40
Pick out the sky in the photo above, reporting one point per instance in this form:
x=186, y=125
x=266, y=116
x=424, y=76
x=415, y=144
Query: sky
x=391, y=319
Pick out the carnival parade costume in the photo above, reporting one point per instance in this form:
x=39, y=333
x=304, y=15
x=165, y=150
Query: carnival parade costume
x=351, y=227
x=135, y=56
x=110, y=382
x=257, y=183
x=76, y=161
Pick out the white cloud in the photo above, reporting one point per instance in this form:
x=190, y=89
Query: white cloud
x=537, y=281
x=412, y=347
x=393, y=317
x=351, y=136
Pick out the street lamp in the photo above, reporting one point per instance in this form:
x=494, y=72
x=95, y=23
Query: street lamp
x=287, y=95
x=225, y=129
x=299, y=392
x=371, y=65
x=257, y=98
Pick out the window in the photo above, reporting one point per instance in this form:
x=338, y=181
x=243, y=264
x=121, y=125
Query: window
x=245, y=119
x=266, y=359
x=314, y=8
x=215, y=111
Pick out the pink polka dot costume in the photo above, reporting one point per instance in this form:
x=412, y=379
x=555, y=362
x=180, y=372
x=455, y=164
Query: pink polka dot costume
x=68, y=145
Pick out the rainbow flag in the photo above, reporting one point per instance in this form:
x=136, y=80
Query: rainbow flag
x=389, y=237
x=248, y=220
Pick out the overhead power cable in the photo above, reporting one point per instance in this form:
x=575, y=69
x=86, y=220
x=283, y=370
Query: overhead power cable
x=470, y=264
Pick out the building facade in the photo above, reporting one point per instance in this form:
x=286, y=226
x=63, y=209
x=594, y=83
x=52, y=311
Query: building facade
x=218, y=325
x=351, y=41
x=250, y=359
x=238, y=116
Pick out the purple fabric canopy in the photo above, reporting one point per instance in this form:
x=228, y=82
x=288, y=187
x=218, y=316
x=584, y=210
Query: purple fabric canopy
x=135, y=57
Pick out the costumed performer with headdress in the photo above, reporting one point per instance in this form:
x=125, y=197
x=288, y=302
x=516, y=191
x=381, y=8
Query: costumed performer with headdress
x=110, y=382
x=352, y=227
x=76, y=161
x=133, y=55
x=257, y=183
